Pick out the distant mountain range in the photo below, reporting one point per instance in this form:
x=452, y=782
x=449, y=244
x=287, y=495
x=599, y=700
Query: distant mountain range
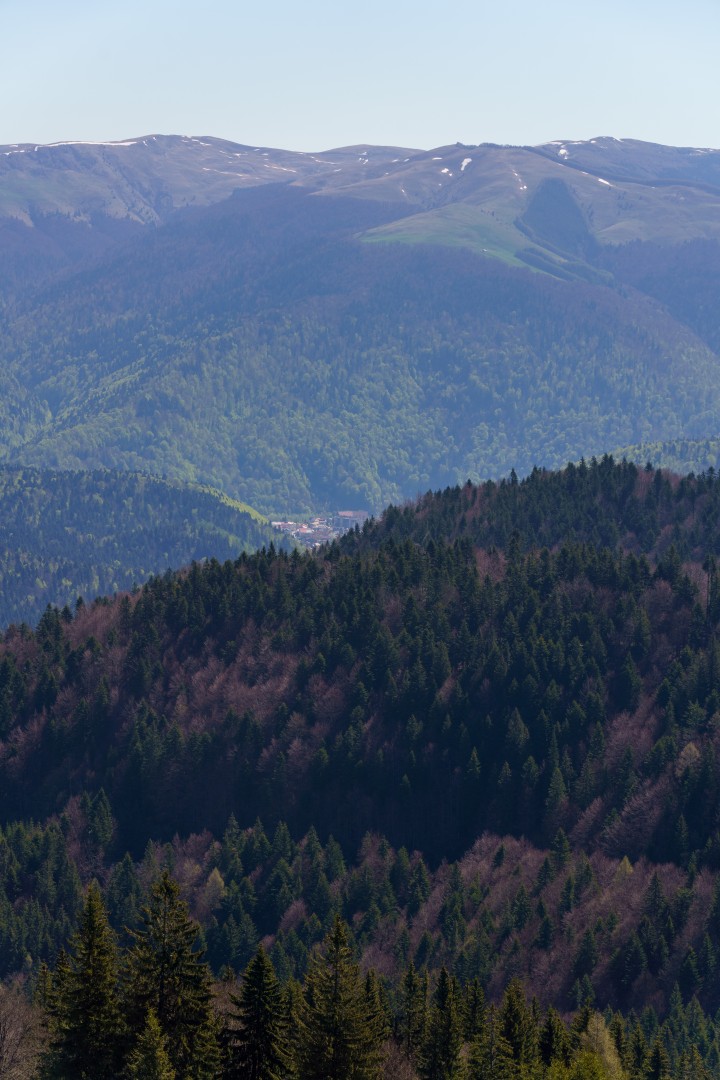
x=562, y=198
x=350, y=327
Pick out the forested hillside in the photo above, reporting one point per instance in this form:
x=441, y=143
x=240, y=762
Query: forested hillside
x=677, y=455
x=258, y=346
x=70, y=534
x=472, y=748
x=603, y=503
x=459, y=769
x=380, y=322
x=543, y=718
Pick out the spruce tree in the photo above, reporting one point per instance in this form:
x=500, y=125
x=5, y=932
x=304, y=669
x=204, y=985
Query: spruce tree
x=490, y=1056
x=520, y=1029
x=657, y=1065
x=690, y=1066
x=337, y=1040
x=86, y=1020
x=166, y=973
x=260, y=1048
x=378, y=1011
x=150, y=1059
x=474, y=1009
x=415, y=1009
x=554, y=1041
x=440, y=1055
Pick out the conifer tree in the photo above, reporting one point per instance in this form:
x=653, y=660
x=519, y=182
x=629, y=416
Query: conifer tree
x=554, y=1041
x=165, y=973
x=657, y=1066
x=86, y=1020
x=150, y=1059
x=337, y=1041
x=440, y=1054
x=520, y=1029
x=474, y=1013
x=43, y=993
x=490, y=1056
x=260, y=1047
x=377, y=1006
x=123, y=895
x=691, y=1067
x=415, y=1007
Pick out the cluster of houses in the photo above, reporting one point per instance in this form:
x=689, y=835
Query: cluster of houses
x=321, y=529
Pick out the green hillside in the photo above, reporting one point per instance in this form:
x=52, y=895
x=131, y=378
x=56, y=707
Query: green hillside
x=390, y=321
x=70, y=534
x=257, y=346
x=678, y=455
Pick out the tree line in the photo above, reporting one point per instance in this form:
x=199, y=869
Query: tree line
x=151, y=1010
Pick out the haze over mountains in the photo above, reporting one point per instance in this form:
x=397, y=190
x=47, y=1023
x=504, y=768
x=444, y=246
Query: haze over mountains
x=145, y=180
x=350, y=327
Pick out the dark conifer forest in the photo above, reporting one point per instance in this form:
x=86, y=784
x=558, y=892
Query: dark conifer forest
x=440, y=800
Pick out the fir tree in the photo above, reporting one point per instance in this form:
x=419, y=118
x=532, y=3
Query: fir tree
x=165, y=973
x=260, y=1047
x=86, y=1021
x=554, y=1042
x=520, y=1029
x=337, y=1041
x=123, y=896
x=440, y=1055
x=690, y=1066
x=377, y=1007
x=474, y=1009
x=490, y=1056
x=658, y=1062
x=415, y=1007
x=150, y=1059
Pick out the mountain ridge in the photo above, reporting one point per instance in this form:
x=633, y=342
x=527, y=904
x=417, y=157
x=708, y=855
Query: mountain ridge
x=499, y=307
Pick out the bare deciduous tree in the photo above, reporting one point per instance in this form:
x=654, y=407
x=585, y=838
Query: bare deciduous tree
x=22, y=1035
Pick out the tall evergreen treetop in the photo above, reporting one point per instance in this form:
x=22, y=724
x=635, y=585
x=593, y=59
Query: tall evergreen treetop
x=338, y=1041
x=440, y=1055
x=166, y=974
x=150, y=1060
x=87, y=1025
x=260, y=1046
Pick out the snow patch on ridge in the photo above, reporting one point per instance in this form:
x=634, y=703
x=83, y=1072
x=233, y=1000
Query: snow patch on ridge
x=80, y=142
x=518, y=177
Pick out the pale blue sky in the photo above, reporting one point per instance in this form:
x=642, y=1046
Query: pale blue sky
x=313, y=75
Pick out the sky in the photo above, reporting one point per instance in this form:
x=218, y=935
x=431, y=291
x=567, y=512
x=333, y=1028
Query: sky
x=320, y=74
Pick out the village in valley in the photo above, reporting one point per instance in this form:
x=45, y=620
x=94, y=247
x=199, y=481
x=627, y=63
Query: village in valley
x=323, y=528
